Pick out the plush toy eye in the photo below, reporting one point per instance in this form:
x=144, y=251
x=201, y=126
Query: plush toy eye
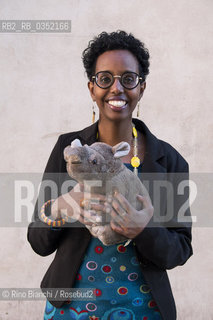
x=94, y=161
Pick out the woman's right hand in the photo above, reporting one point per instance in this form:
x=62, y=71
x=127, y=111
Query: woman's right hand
x=75, y=205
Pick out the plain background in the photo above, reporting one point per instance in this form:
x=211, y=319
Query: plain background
x=43, y=92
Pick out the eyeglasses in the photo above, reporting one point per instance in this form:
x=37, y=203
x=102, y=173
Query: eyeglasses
x=105, y=79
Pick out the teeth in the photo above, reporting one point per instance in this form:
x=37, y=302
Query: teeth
x=117, y=103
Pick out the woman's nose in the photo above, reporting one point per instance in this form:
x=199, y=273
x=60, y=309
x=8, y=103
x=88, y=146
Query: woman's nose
x=116, y=86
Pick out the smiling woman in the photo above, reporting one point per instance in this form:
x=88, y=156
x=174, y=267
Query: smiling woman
x=127, y=279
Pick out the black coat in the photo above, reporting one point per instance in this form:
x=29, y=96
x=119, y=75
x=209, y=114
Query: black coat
x=159, y=246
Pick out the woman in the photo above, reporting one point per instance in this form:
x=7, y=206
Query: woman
x=130, y=281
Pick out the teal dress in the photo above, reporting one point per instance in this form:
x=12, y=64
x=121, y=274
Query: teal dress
x=119, y=289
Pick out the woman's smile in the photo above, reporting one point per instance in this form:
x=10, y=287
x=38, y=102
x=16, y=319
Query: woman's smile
x=116, y=103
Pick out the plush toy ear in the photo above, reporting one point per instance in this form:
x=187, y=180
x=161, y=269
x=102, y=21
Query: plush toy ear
x=76, y=143
x=121, y=149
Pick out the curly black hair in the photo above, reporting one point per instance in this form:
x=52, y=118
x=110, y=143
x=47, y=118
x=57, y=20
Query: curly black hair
x=115, y=41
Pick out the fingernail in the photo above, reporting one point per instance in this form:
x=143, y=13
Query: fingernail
x=87, y=205
x=115, y=191
x=82, y=203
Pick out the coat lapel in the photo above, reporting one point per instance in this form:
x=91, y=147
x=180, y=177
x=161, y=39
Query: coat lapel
x=154, y=160
x=89, y=134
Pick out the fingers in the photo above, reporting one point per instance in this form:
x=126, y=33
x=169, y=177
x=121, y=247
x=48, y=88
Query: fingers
x=93, y=197
x=95, y=214
x=145, y=200
x=73, y=205
x=121, y=205
x=116, y=227
x=92, y=216
x=90, y=205
x=118, y=208
x=61, y=207
x=115, y=217
x=119, y=217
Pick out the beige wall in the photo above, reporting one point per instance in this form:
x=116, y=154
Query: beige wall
x=43, y=92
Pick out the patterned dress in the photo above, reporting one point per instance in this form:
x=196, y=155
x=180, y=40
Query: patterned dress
x=113, y=274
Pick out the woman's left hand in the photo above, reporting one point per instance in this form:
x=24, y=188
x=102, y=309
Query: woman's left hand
x=126, y=220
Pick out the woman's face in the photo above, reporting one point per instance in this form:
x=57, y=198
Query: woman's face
x=117, y=62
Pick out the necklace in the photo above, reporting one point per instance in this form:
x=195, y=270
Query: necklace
x=135, y=161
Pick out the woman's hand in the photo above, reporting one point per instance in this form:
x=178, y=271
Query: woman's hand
x=125, y=219
x=78, y=205
x=84, y=207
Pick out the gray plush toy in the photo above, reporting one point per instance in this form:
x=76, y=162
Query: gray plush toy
x=100, y=169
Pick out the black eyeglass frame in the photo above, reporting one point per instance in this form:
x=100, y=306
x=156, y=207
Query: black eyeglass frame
x=140, y=79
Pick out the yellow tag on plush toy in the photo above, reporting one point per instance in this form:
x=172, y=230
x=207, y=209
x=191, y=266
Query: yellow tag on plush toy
x=135, y=162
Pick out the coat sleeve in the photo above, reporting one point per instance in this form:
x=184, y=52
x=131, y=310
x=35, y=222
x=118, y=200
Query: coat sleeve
x=43, y=238
x=168, y=245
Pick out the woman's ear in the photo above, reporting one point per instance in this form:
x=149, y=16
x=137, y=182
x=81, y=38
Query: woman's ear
x=142, y=88
x=91, y=89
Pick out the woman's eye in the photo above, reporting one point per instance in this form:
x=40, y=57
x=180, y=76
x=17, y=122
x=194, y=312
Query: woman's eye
x=105, y=80
x=128, y=80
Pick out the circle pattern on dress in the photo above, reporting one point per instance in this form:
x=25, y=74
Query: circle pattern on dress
x=97, y=292
x=152, y=304
x=91, y=265
x=91, y=278
x=144, y=288
x=122, y=268
x=109, y=279
x=132, y=276
x=134, y=261
x=113, y=301
x=122, y=291
x=106, y=268
x=137, y=302
x=118, y=314
x=79, y=277
x=113, y=273
x=91, y=306
x=121, y=248
x=99, y=249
